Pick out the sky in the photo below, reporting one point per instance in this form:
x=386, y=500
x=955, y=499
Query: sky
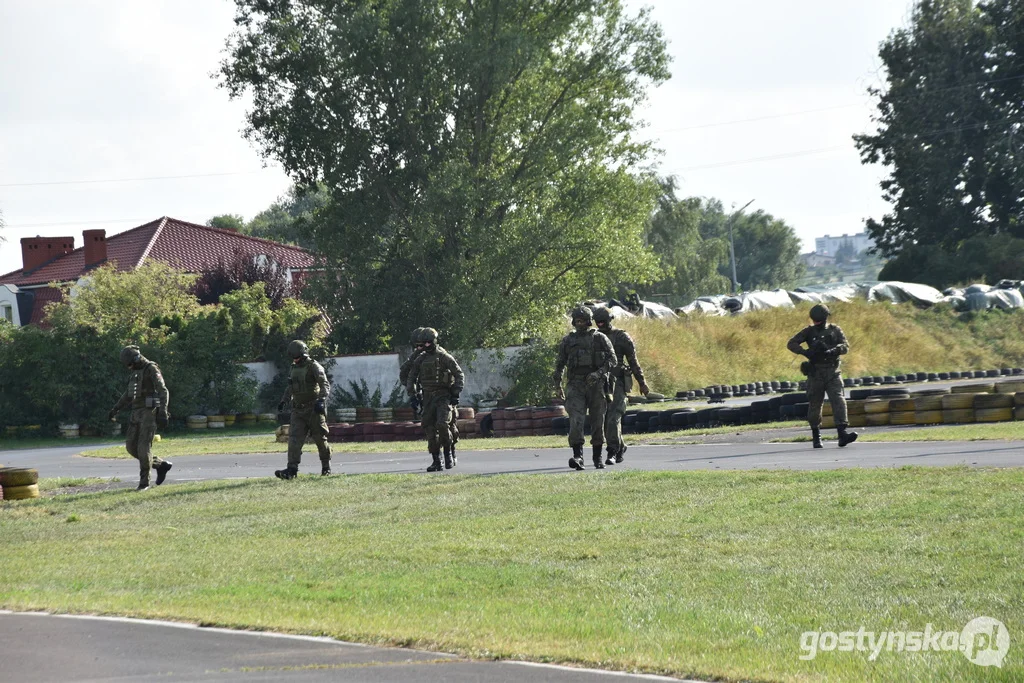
x=110, y=118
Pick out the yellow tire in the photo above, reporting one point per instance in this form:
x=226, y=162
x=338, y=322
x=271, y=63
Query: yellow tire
x=928, y=417
x=14, y=477
x=156, y=438
x=993, y=401
x=928, y=403
x=986, y=388
x=857, y=420
x=1018, y=413
x=960, y=401
x=993, y=414
x=828, y=421
x=1009, y=387
x=854, y=408
x=897, y=405
x=902, y=417
x=876, y=419
x=21, y=492
x=876, y=406
x=958, y=416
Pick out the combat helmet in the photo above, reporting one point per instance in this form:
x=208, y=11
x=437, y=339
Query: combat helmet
x=428, y=336
x=820, y=313
x=583, y=312
x=417, y=336
x=130, y=355
x=603, y=314
x=297, y=348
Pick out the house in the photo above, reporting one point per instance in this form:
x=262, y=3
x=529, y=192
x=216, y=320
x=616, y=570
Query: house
x=193, y=248
x=815, y=259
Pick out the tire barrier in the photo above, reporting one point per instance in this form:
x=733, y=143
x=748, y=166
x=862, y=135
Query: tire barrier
x=956, y=416
x=196, y=422
x=993, y=414
x=21, y=492
x=18, y=483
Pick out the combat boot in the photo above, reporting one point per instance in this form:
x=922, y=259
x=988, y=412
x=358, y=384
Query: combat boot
x=161, y=471
x=845, y=437
x=325, y=469
x=612, y=450
x=143, y=486
x=598, y=460
x=448, y=462
x=287, y=473
x=816, y=437
x=436, y=465
x=576, y=461
x=621, y=452
x=455, y=458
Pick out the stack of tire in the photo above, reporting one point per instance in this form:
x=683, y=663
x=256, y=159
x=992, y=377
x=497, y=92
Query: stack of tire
x=19, y=483
x=400, y=414
x=365, y=415
x=196, y=422
x=348, y=415
x=466, y=422
x=246, y=418
x=216, y=421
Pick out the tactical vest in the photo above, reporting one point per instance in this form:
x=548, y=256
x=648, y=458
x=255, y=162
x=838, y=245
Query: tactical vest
x=825, y=337
x=140, y=386
x=581, y=354
x=303, y=382
x=434, y=376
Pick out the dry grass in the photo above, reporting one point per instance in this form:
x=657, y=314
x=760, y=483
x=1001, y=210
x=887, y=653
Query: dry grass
x=699, y=351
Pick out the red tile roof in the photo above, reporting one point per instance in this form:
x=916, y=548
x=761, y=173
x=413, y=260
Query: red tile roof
x=43, y=296
x=191, y=247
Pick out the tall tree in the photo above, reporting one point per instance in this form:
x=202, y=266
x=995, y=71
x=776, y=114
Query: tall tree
x=949, y=126
x=227, y=221
x=767, y=249
x=479, y=153
x=287, y=220
x=689, y=260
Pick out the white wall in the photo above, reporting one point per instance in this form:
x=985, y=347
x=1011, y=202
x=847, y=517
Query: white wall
x=8, y=298
x=380, y=371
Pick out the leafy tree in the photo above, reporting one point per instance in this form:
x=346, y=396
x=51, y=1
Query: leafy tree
x=985, y=258
x=123, y=304
x=243, y=269
x=767, y=249
x=287, y=219
x=949, y=126
x=845, y=253
x=479, y=155
x=689, y=260
x=228, y=221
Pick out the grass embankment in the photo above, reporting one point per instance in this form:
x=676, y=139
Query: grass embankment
x=699, y=351
x=218, y=445
x=701, y=574
x=995, y=431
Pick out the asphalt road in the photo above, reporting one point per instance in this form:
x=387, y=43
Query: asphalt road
x=41, y=648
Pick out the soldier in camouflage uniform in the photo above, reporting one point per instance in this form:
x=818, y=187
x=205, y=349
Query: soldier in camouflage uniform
x=416, y=398
x=589, y=358
x=825, y=343
x=627, y=367
x=442, y=380
x=148, y=397
x=308, y=389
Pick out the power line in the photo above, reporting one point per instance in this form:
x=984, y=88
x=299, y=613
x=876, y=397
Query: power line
x=128, y=180
x=773, y=157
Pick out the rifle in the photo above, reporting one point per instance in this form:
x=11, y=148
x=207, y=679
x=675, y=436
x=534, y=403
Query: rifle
x=416, y=403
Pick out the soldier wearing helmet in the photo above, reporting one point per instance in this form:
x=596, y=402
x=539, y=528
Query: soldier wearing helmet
x=442, y=380
x=588, y=357
x=825, y=343
x=308, y=389
x=416, y=395
x=148, y=397
x=627, y=367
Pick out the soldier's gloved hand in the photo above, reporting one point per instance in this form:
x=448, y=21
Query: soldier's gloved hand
x=280, y=407
x=644, y=389
x=112, y=415
x=161, y=418
x=594, y=377
x=321, y=406
x=832, y=352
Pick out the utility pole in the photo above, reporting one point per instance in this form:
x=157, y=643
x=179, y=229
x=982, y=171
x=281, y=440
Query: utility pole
x=732, y=246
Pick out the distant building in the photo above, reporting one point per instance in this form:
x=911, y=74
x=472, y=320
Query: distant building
x=193, y=248
x=830, y=245
x=816, y=260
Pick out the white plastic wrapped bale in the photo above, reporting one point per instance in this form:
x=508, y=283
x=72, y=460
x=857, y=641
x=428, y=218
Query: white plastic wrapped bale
x=654, y=310
x=758, y=301
x=901, y=292
x=705, y=305
x=1004, y=298
x=823, y=294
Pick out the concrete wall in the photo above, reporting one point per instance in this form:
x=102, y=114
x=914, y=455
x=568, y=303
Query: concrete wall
x=380, y=371
x=9, y=303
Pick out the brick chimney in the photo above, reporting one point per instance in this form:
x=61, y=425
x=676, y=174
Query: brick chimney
x=95, y=247
x=35, y=251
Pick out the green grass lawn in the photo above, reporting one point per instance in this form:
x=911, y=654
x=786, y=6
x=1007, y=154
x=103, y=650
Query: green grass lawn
x=991, y=431
x=206, y=444
x=711, y=575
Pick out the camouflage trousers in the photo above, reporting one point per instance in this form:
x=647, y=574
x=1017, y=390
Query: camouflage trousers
x=613, y=416
x=437, y=420
x=139, y=441
x=817, y=386
x=306, y=421
x=580, y=398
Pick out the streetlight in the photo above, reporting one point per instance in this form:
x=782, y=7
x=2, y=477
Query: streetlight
x=732, y=246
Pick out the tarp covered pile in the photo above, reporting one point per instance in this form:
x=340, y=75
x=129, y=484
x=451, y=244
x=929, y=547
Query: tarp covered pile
x=1006, y=294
